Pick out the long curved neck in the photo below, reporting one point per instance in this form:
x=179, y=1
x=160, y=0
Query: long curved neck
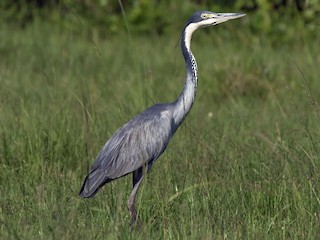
x=184, y=102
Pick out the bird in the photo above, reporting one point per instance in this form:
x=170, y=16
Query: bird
x=135, y=146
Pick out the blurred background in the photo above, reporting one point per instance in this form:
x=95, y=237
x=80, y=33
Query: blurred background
x=281, y=17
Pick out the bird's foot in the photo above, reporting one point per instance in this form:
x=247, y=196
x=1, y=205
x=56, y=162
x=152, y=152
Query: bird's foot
x=135, y=220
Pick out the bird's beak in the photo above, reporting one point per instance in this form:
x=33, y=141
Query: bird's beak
x=223, y=17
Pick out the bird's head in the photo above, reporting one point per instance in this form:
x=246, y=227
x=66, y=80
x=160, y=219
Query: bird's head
x=203, y=19
x=206, y=18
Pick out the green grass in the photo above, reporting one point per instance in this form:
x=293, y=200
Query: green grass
x=244, y=164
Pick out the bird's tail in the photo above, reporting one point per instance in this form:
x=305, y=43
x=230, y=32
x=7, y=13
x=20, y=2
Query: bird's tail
x=92, y=183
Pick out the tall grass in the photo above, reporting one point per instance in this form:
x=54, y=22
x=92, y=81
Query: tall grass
x=244, y=165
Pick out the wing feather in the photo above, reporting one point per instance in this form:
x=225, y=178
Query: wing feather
x=138, y=142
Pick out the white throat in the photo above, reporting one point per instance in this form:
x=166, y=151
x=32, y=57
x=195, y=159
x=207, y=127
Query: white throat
x=188, y=33
x=194, y=26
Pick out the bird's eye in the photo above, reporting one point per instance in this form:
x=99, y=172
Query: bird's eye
x=204, y=16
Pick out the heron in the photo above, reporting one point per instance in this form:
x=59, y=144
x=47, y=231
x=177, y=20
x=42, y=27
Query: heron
x=135, y=146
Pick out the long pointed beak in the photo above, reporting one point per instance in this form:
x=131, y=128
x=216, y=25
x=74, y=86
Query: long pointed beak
x=223, y=17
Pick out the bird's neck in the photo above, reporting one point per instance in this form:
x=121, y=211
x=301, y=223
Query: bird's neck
x=184, y=102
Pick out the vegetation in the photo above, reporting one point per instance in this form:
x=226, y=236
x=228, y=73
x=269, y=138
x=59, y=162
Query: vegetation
x=244, y=165
x=147, y=16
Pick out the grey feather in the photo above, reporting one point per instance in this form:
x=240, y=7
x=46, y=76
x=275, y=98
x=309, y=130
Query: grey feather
x=139, y=142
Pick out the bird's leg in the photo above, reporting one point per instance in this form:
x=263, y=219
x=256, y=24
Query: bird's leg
x=136, y=181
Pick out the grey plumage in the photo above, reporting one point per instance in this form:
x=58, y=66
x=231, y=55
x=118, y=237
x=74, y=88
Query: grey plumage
x=141, y=141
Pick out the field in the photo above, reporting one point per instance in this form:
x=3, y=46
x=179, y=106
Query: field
x=244, y=165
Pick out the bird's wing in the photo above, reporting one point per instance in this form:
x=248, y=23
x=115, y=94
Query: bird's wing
x=141, y=140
